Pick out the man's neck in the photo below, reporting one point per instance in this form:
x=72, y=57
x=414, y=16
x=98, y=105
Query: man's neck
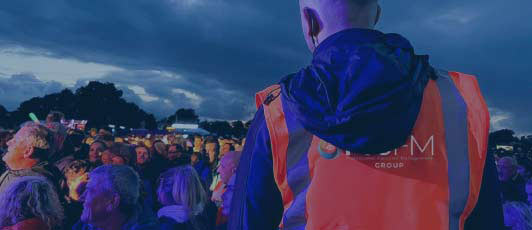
x=25, y=164
x=333, y=30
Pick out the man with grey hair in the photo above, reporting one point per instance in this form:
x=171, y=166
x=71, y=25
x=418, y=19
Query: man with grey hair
x=512, y=183
x=27, y=155
x=111, y=201
x=336, y=145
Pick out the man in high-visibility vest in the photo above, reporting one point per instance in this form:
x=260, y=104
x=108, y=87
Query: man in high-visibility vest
x=368, y=136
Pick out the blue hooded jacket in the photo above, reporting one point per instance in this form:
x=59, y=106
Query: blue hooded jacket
x=363, y=93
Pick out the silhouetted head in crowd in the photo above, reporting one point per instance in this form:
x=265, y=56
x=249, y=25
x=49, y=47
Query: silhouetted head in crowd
x=95, y=151
x=93, y=132
x=211, y=148
x=31, y=197
x=143, y=154
x=106, y=138
x=55, y=116
x=175, y=151
x=226, y=147
x=111, y=196
x=160, y=148
x=198, y=144
x=528, y=189
x=523, y=167
x=119, y=154
x=30, y=145
x=195, y=157
x=4, y=137
x=507, y=167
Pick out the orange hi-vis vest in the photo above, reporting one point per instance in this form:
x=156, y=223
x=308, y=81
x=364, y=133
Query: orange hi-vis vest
x=432, y=182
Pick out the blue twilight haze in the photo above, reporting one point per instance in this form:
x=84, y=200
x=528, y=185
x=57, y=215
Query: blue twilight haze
x=213, y=55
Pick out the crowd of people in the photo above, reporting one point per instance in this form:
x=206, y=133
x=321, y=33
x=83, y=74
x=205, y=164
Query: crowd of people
x=516, y=190
x=56, y=178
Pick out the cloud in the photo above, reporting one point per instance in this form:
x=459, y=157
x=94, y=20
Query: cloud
x=20, y=87
x=162, y=93
x=214, y=55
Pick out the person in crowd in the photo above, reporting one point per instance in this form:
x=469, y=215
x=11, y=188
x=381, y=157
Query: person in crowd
x=240, y=146
x=149, y=173
x=111, y=201
x=28, y=154
x=30, y=203
x=517, y=215
x=119, y=154
x=159, y=153
x=178, y=155
x=4, y=137
x=91, y=137
x=365, y=93
x=77, y=176
x=512, y=184
x=143, y=155
x=200, y=163
x=524, y=166
x=198, y=144
x=107, y=157
x=223, y=192
x=528, y=190
x=54, y=116
x=160, y=149
x=105, y=137
x=184, y=200
x=95, y=152
x=212, y=151
x=226, y=147
x=72, y=150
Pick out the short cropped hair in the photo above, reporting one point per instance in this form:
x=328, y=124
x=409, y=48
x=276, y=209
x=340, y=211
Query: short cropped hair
x=122, y=180
x=40, y=138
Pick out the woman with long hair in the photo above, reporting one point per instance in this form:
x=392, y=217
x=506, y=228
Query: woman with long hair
x=30, y=203
x=184, y=200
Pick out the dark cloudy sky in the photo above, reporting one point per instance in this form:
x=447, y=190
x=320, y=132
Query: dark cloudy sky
x=212, y=55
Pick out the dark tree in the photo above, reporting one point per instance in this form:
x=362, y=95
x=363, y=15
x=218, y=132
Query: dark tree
x=4, y=117
x=224, y=128
x=181, y=115
x=238, y=129
x=99, y=103
x=502, y=137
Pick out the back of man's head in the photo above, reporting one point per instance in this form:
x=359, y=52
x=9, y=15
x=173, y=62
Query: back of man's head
x=122, y=180
x=322, y=18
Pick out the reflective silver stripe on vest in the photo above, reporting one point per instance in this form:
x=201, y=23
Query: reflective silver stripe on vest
x=297, y=173
x=455, y=122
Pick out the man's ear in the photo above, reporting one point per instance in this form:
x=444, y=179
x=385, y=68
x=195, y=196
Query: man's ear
x=28, y=153
x=379, y=11
x=313, y=22
x=115, y=202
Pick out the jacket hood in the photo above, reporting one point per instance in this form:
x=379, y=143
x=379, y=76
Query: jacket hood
x=362, y=91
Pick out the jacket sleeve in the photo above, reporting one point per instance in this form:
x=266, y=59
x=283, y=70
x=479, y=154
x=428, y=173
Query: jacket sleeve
x=257, y=203
x=487, y=214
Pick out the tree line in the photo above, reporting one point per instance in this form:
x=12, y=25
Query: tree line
x=102, y=104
